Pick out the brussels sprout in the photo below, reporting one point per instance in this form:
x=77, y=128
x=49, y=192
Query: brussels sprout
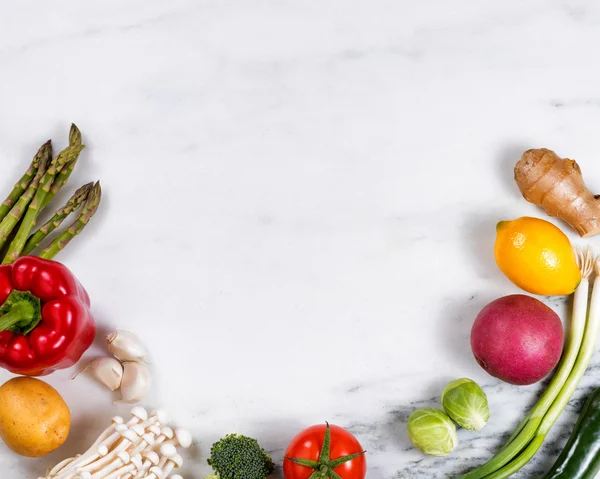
x=432, y=432
x=466, y=403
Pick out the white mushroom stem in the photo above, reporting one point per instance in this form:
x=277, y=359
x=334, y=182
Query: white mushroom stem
x=128, y=437
x=166, y=434
x=106, y=439
x=112, y=435
x=65, y=475
x=172, y=463
x=167, y=451
x=117, y=420
x=147, y=441
x=150, y=421
x=139, y=429
x=132, y=439
x=155, y=430
x=139, y=415
x=182, y=438
x=155, y=473
x=89, y=458
x=176, y=476
x=122, y=459
x=61, y=465
x=135, y=461
x=129, y=468
x=150, y=459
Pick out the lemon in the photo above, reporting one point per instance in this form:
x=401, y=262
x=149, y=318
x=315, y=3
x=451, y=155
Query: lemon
x=536, y=256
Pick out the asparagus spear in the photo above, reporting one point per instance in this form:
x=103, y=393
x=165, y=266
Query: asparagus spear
x=74, y=203
x=88, y=210
x=63, y=176
x=21, y=186
x=74, y=135
x=18, y=210
x=68, y=155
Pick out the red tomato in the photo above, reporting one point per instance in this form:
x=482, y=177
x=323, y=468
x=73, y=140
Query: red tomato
x=308, y=445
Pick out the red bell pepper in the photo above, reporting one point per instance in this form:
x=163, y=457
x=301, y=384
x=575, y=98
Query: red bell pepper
x=45, y=321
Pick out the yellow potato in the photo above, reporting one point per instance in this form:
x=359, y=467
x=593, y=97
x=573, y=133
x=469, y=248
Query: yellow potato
x=34, y=418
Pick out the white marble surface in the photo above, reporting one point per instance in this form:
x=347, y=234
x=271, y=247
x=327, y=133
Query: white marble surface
x=300, y=199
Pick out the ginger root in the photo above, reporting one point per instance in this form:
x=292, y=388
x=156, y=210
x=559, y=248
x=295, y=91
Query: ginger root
x=556, y=185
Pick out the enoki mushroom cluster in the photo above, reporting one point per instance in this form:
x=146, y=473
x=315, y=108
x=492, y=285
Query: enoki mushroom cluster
x=142, y=448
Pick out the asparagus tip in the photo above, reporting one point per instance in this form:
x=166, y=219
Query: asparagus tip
x=84, y=190
x=97, y=191
x=74, y=135
x=46, y=149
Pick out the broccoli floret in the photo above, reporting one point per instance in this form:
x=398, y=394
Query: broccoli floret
x=240, y=457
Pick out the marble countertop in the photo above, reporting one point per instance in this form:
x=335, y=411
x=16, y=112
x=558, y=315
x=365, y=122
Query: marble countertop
x=300, y=200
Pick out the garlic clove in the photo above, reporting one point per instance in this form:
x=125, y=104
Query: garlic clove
x=136, y=382
x=126, y=346
x=107, y=370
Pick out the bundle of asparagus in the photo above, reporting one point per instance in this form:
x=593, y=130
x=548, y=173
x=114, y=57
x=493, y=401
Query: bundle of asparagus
x=31, y=194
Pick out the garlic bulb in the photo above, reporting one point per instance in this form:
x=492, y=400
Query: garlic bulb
x=136, y=382
x=126, y=346
x=108, y=371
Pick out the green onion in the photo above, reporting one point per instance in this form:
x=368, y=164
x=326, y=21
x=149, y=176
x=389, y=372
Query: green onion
x=530, y=434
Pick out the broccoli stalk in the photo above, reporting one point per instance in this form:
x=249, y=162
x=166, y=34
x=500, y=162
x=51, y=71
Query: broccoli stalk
x=239, y=457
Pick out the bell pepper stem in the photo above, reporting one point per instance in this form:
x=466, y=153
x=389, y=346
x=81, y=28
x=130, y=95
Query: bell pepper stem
x=21, y=312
